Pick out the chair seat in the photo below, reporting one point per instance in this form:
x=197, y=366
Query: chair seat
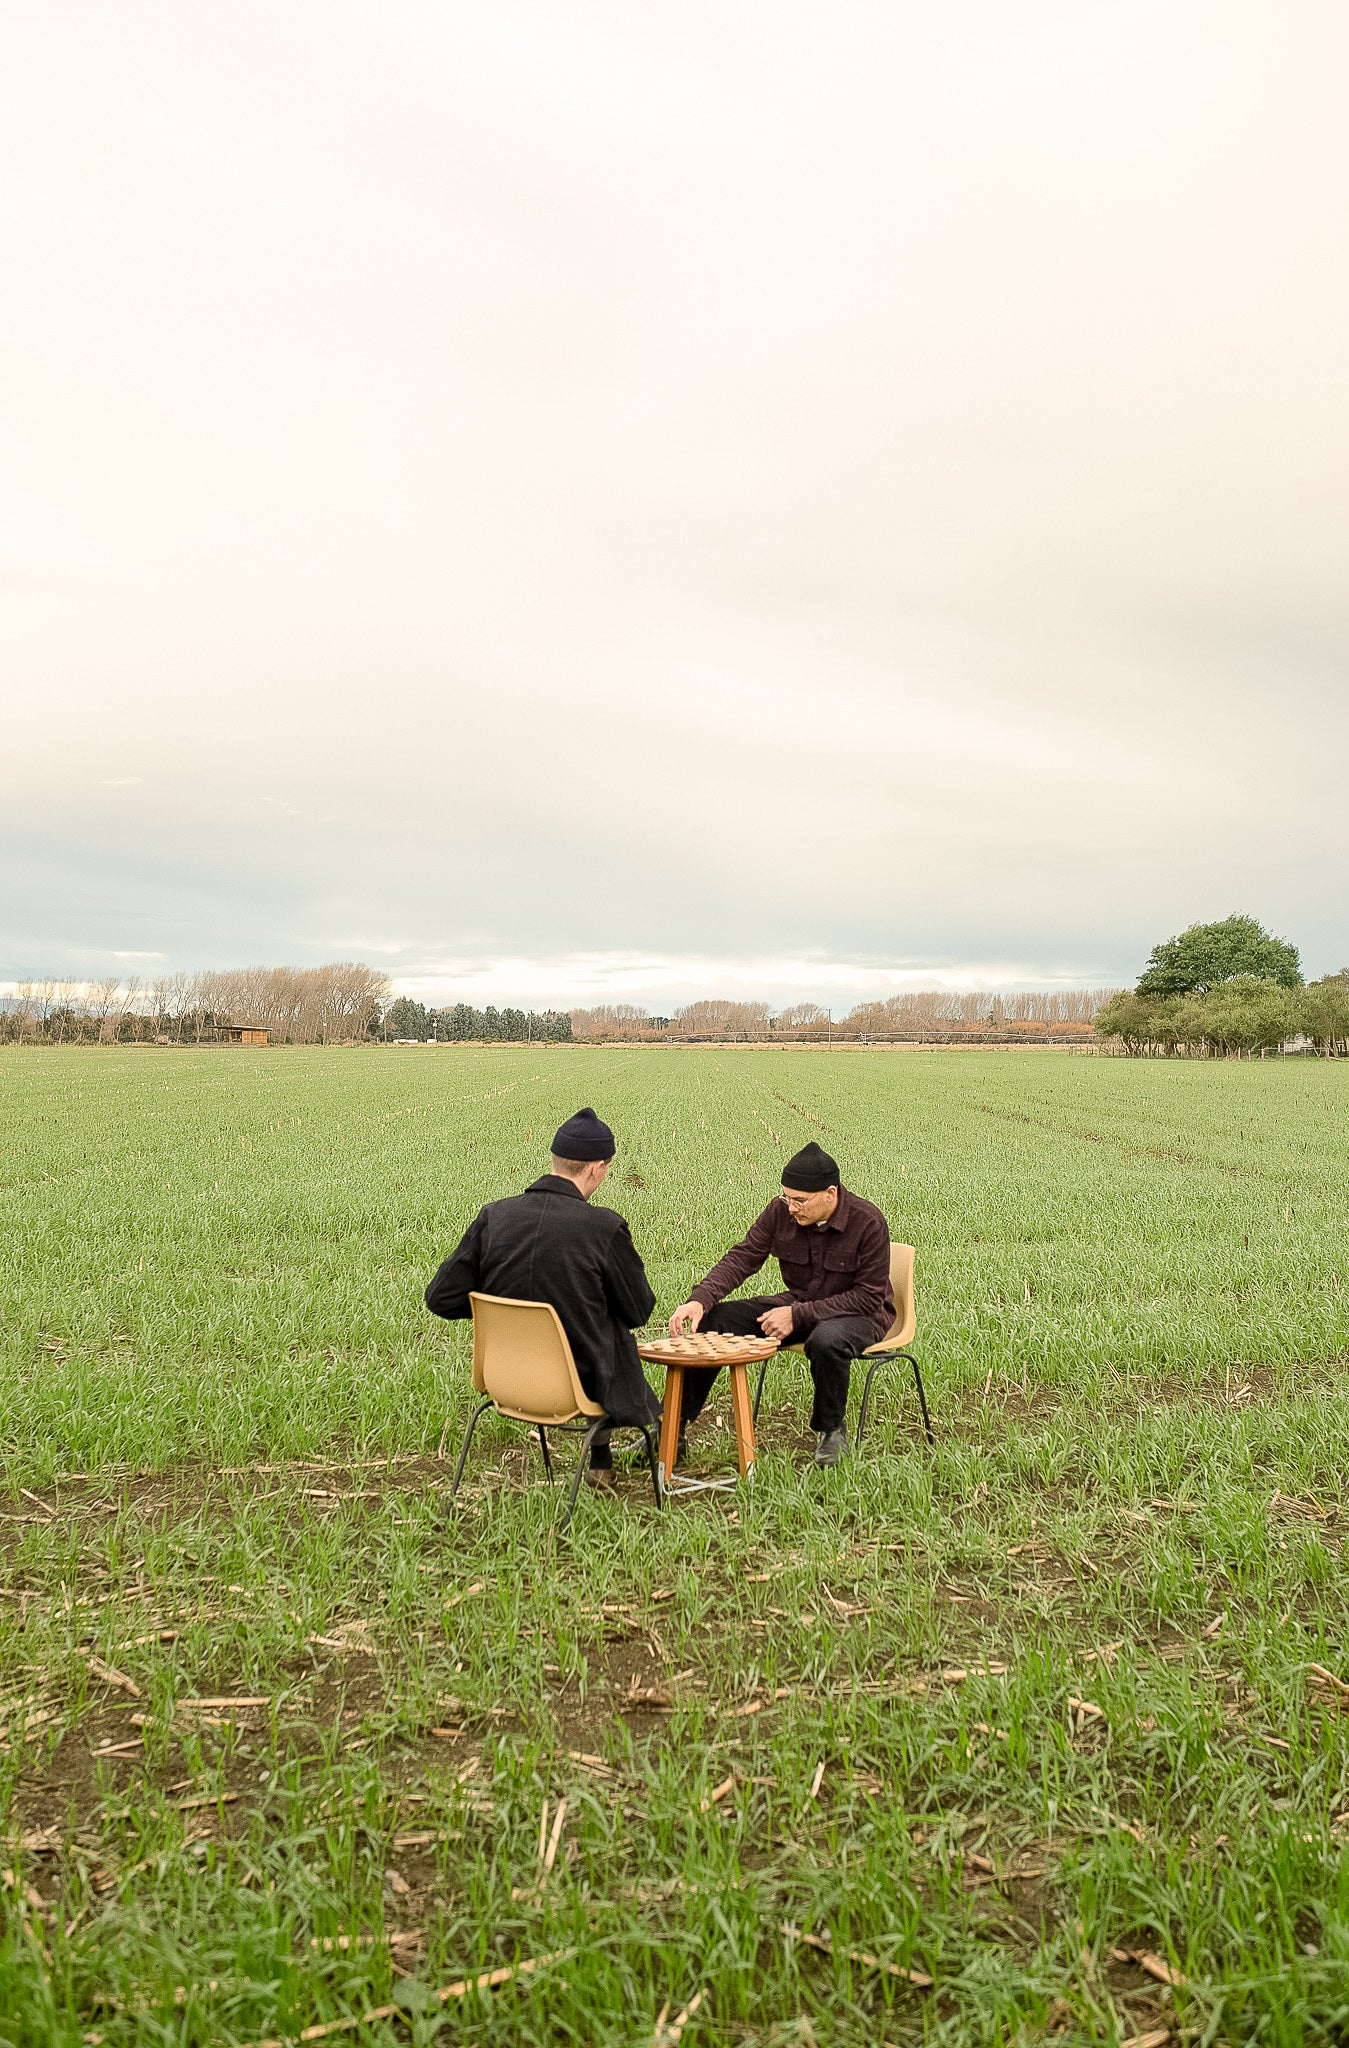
x=887, y=1344
x=534, y=1416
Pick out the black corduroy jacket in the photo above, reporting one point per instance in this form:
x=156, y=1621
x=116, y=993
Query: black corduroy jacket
x=550, y=1244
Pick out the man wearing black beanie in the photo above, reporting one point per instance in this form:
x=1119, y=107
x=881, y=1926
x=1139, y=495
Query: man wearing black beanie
x=834, y=1253
x=549, y=1244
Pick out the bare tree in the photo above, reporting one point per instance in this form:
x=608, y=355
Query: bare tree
x=801, y=1020
x=103, y=996
x=711, y=1019
x=346, y=998
x=953, y=1013
x=41, y=999
x=307, y=1005
x=612, y=1020
x=178, y=992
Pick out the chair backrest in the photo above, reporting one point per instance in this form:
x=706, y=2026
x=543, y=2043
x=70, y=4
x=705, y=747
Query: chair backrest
x=901, y=1331
x=523, y=1363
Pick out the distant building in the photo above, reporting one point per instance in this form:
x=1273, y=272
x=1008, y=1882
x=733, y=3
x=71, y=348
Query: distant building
x=245, y=1034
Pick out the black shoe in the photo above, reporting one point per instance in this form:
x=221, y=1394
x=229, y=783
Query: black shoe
x=602, y=1476
x=832, y=1447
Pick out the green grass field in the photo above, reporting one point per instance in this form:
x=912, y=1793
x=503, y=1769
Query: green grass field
x=284, y=1731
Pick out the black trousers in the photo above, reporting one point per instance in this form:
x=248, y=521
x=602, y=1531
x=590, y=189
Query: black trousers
x=830, y=1350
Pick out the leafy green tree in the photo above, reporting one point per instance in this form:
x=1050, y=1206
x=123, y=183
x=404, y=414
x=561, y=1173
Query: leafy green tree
x=1250, y=1014
x=1185, y=1024
x=1325, y=1012
x=1130, y=1017
x=1247, y=1014
x=1204, y=955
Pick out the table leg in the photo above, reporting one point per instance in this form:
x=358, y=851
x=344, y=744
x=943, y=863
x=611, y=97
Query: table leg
x=743, y=1410
x=671, y=1410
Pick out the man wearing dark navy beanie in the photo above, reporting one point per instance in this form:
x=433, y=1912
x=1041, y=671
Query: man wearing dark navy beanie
x=550, y=1244
x=833, y=1250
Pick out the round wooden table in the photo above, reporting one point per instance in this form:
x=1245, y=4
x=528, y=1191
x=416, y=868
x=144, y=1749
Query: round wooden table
x=706, y=1348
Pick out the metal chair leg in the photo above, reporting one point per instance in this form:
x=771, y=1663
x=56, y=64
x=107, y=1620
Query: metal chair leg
x=922, y=1398
x=649, y=1439
x=872, y=1370
x=890, y=1358
x=758, y=1392
x=596, y=1426
x=474, y=1419
x=543, y=1446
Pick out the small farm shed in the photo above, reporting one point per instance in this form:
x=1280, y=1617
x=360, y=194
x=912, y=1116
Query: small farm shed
x=246, y=1034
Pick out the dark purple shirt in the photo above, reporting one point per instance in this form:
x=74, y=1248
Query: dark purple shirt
x=837, y=1268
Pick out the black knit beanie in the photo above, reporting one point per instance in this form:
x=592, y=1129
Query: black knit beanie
x=583, y=1136
x=810, y=1170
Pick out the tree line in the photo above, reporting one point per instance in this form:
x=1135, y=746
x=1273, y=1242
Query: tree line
x=1212, y=991
x=336, y=1003
x=406, y=1020
x=923, y=1016
x=1230, y=988
x=344, y=1002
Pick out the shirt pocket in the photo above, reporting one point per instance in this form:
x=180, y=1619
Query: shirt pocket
x=792, y=1253
x=840, y=1264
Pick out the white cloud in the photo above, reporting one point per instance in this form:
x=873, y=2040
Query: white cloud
x=855, y=490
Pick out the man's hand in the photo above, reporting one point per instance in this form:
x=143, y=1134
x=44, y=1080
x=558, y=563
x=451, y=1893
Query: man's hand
x=777, y=1322
x=686, y=1318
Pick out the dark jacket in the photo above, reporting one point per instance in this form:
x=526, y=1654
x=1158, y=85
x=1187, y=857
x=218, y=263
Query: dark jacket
x=550, y=1244
x=838, y=1268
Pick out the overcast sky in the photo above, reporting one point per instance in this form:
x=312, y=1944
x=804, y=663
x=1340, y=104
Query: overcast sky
x=574, y=499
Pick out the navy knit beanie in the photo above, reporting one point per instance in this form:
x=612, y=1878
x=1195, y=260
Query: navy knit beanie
x=583, y=1136
x=810, y=1170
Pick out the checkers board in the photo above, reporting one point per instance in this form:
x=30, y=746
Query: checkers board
x=709, y=1347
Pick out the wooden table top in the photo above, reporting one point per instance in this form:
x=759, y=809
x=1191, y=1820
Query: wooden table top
x=707, y=1347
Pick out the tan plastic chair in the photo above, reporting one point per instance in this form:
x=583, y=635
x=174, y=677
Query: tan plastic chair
x=894, y=1344
x=522, y=1365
